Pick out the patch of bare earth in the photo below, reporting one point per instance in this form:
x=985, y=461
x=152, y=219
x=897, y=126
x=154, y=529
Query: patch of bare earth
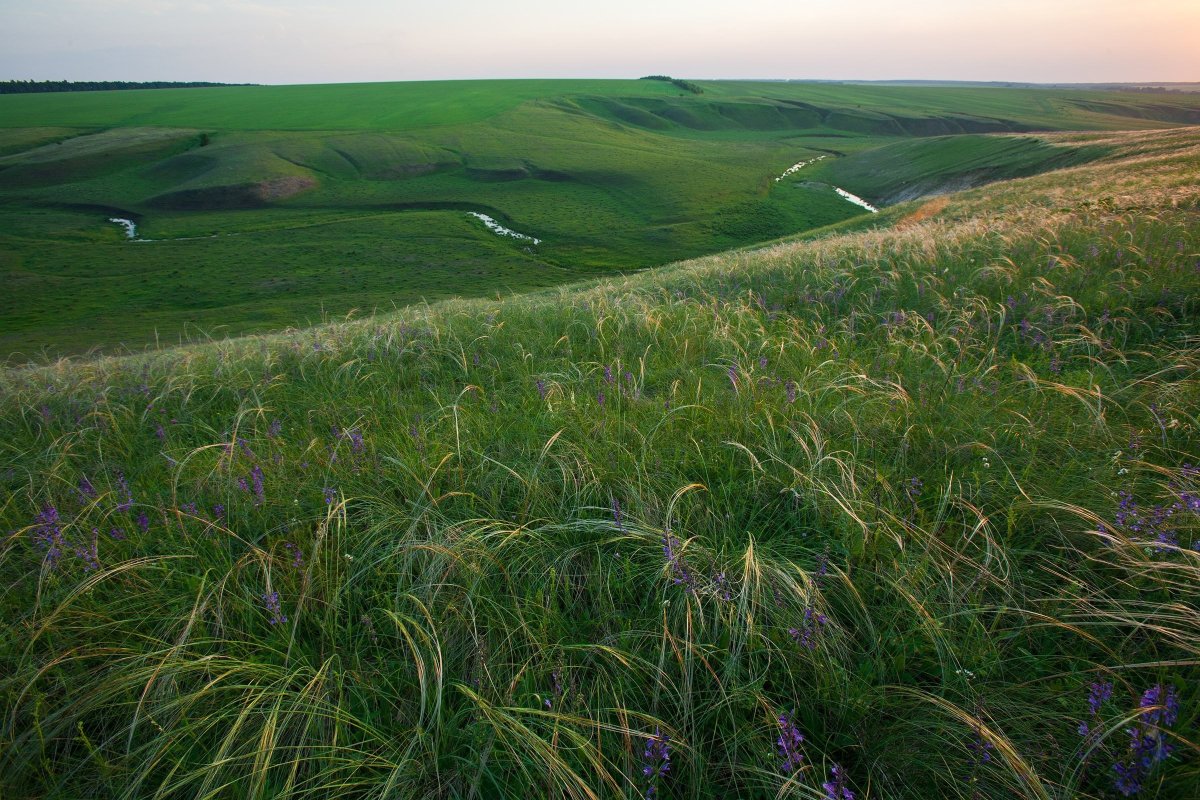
x=924, y=212
x=282, y=188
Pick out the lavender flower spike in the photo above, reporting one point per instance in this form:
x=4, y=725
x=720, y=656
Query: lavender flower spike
x=273, y=607
x=788, y=745
x=835, y=788
x=656, y=761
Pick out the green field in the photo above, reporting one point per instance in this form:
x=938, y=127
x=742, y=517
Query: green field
x=295, y=202
x=906, y=508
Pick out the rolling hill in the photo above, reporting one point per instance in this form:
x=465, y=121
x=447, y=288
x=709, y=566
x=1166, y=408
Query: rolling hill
x=268, y=207
x=907, y=511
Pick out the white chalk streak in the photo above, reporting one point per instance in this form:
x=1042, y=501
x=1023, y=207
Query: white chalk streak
x=129, y=226
x=500, y=230
x=858, y=201
x=798, y=166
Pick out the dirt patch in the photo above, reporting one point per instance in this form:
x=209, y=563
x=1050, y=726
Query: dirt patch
x=283, y=188
x=926, y=211
x=242, y=195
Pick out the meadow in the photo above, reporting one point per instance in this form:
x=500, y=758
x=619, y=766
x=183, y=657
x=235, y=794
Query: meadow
x=907, y=510
x=276, y=206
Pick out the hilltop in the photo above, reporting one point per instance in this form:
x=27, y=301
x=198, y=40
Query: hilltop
x=266, y=207
x=906, y=510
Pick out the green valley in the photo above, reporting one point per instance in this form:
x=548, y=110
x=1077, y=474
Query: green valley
x=267, y=207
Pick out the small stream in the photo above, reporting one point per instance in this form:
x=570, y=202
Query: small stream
x=131, y=233
x=858, y=201
x=499, y=229
x=794, y=168
x=853, y=198
x=130, y=228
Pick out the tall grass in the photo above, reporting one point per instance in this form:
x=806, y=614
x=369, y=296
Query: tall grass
x=911, y=494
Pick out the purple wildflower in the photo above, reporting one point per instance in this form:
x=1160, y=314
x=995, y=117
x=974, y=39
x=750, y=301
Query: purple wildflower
x=1161, y=704
x=608, y=374
x=143, y=521
x=275, y=428
x=297, y=558
x=1098, y=693
x=272, y=605
x=556, y=689
x=809, y=631
x=88, y=553
x=680, y=573
x=791, y=391
x=788, y=745
x=616, y=513
x=86, y=490
x=822, y=565
x=1128, y=780
x=127, y=496
x=721, y=585
x=835, y=788
x=979, y=745
x=656, y=761
x=980, y=748
x=47, y=533
x=256, y=475
x=1147, y=741
x=541, y=388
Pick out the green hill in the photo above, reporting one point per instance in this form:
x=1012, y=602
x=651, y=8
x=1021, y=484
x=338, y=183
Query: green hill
x=273, y=206
x=908, y=512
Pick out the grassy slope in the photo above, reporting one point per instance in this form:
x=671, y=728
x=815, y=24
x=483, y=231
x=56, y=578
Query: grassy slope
x=874, y=481
x=612, y=175
x=371, y=106
x=915, y=168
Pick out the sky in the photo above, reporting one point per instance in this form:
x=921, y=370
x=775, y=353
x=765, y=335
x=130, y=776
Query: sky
x=304, y=41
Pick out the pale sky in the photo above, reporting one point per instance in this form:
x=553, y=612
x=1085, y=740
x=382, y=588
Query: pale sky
x=305, y=41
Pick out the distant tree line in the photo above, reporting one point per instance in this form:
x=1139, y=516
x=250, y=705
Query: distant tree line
x=29, y=87
x=687, y=86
